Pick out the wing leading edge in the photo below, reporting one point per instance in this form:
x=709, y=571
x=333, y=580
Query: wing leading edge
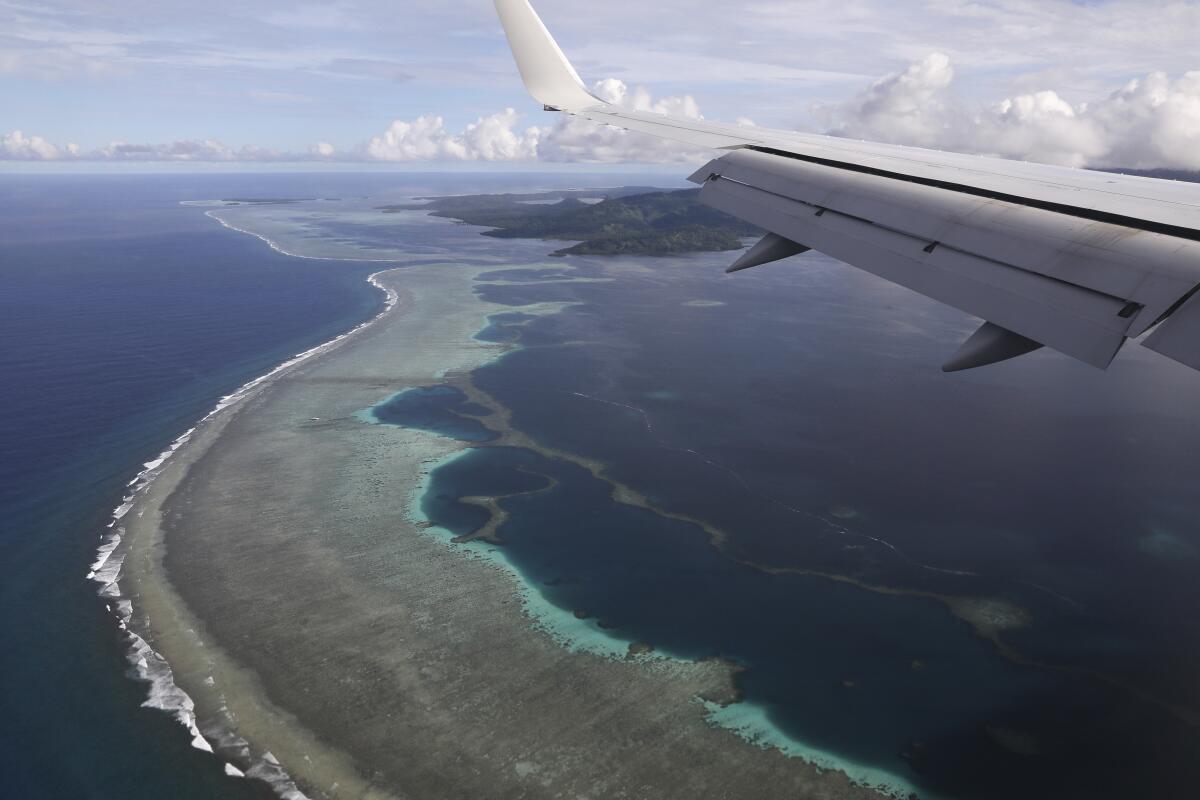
x=1075, y=260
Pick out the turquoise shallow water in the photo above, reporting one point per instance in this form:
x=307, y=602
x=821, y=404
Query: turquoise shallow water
x=124, y=317
x=439, y=409
x=819, y=435
x=799, y=409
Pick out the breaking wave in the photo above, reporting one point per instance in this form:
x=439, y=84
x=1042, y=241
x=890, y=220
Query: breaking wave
x=146, y=664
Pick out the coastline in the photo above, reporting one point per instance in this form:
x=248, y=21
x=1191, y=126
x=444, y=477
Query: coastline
x=1025, y=622
x=119, y=543
x=278, y=248
x=648, y=693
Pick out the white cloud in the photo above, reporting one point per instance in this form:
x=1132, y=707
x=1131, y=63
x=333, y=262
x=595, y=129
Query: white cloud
x=491, y=138
x=1151, y=122
x=767, y=59
x=904, y=107
x=495, y=138
x=423, y=139
x=499, y=137
x=573, y=139
x=1039, y=127
x=185, y=150
x=16, y=146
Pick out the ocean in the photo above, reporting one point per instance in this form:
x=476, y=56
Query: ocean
x=983, y=585
x=124, y=317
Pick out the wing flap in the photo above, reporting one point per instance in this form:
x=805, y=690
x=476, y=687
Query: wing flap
x=1150, y=269
x=1179, y=336
x=1076, y=321
x=1171, y=207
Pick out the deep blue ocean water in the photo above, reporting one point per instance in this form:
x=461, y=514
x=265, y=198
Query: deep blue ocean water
x=123, y=318
x=808, y=419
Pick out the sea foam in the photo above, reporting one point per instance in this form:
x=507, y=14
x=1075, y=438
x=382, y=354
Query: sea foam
x=146, y=664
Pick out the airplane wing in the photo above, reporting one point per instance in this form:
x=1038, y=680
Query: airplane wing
x=1074, y=260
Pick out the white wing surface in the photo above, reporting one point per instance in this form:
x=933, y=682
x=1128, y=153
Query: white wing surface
x=1075, y=260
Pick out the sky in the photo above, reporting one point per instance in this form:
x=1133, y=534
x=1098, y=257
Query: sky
x=419, y=82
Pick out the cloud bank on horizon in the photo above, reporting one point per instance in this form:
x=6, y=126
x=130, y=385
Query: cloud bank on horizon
x=1097, y=84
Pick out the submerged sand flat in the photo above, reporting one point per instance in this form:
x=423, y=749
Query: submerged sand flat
x=279, y=565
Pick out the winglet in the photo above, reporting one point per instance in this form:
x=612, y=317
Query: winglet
x=547, y=73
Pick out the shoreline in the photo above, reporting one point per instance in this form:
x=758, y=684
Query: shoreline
x=728, y=711
x=278, y=248
x=108, y=569
x=648, y=690
x=141, y=560
x=132, y=572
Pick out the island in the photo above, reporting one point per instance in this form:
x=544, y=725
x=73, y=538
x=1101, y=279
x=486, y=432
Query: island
x=626, y=221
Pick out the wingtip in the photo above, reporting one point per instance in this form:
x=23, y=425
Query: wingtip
x=547, y=73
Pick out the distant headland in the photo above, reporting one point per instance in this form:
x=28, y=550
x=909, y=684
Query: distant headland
x=625, y=221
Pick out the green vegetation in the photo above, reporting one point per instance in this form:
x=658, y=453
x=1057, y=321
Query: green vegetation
x=627, y=221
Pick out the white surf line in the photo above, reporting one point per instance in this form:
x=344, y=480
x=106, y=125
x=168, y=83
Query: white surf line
x=278, y=248
x=149, y=666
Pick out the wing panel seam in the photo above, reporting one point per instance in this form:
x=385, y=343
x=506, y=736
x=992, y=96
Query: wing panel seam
x=1046, y=205
x=823, y=210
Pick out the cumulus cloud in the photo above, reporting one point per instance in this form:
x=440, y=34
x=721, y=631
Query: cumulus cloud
x=1150, y=122
x=491, y=138
x=16, y=146
x=499, y=137
x=573, y=139
x=904, y=107
x=187, y=150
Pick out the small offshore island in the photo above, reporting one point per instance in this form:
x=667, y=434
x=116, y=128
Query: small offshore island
x=627, y=221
